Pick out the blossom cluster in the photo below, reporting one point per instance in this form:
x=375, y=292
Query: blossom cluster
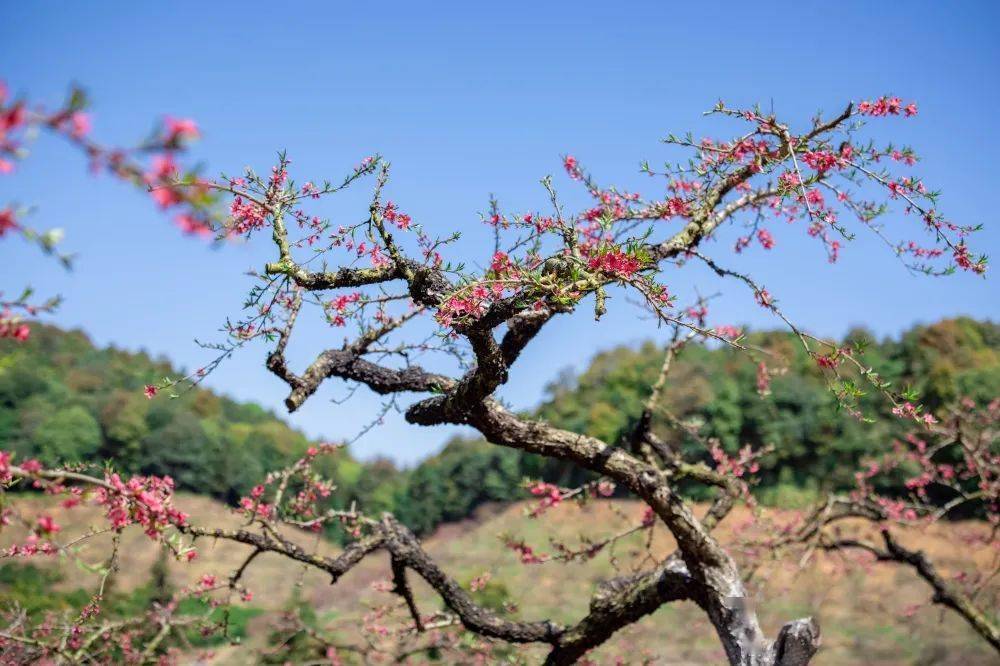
x=745, y=463
x=152, y=165
x=146, y=501
x=11, y=326
x=887, y=106
x=297, y=494
x=966, y=467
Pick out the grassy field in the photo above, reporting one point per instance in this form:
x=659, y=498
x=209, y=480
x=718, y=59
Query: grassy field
x=870, y=614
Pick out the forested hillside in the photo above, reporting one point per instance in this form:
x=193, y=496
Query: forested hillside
x=62, y=399
x=715, y=390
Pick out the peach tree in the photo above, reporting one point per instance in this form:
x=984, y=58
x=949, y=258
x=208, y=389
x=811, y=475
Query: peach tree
x=439, y=337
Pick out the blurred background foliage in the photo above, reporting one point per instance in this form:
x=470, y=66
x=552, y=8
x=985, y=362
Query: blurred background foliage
x=64, y=400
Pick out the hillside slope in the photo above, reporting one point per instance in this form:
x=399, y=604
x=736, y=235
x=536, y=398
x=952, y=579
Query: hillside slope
x=870, y=614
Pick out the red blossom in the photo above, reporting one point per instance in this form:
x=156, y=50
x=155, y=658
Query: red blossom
x=392, y=214
x=7, y=221
x=614, y=262
x=551, y=496
x=827, y=361
x=526, y=553
x=47, y=525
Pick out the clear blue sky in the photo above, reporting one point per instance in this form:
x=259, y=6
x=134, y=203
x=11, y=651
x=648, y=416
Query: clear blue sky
x=468, y=99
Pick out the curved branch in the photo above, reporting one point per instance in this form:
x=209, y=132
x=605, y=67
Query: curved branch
x=726, y=599
x=621, y=601
x=348, y=364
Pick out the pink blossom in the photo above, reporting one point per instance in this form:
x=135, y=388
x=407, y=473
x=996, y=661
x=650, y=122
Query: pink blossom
x=887, y=106
x=247, y=215
x=79, y=125
x=820, y=160
x=648, y=516
x=165, y=197
x=192, y=226
x=47, y=525
x=728, y=331
x=572, y=167
x=675, y=206
x=479, y=582
x=765, y=238
x=789, y=180
x=31, y=466
x=179, y=129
